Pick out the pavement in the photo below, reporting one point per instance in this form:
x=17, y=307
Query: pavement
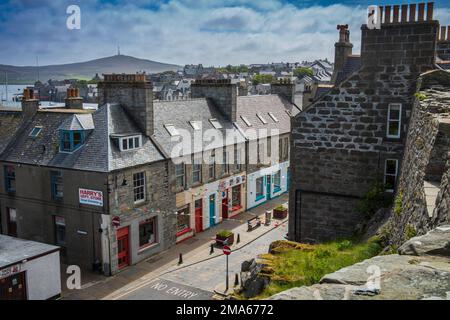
x=161, y=277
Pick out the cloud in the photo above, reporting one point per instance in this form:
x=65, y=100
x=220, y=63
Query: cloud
x=177, y=31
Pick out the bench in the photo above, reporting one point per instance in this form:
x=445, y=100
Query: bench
x=253, y=223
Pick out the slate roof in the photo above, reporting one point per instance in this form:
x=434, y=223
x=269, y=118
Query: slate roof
x=98, y=153
x=180, y=112
x=250, y=106
x=9, y=124
x=352, y=64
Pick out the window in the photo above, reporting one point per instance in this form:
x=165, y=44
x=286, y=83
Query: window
x=147, y=232
x=196, y=171
x=226, y=165
x=237, y=157
x=35, y=132
x=273, y=117
x=57, y=185
x=236, y=198
x=130, y=143
x=394, y=120
x=11, y=221
x=183, y=219
x=390, y=174
x=264, y=121
x=212, y=166
x=60, y=231
x=259, y=188
x=247, y=122
x=277, y=181
x=196, y=125
x=139, y=186
x=179, y=175
x=71, y=140
x=215, y=123
x=171, y=130
x=10, y=179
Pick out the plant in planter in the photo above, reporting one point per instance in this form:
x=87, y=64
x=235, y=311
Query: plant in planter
x=224, y=237
x=280, y=212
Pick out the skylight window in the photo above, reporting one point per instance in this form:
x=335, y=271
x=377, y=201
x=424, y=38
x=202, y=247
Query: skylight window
x=35, y=132
x=196, y=125
x=215, y=123
x=273, y=117
x=172, y=130
x=264, y=121
x=246, y=121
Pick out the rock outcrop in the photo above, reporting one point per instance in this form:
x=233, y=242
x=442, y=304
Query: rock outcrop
x=420, y=271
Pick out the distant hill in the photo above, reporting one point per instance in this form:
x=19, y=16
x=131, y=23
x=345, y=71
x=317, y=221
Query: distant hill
x=83, y=70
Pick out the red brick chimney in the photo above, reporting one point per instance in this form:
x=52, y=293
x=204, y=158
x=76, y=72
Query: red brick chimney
x=30, y=105
x=73, y=99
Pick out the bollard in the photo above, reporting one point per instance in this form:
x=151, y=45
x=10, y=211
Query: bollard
x=238, y=238
x=236, y=280
x=180, y=261
x=212, y=249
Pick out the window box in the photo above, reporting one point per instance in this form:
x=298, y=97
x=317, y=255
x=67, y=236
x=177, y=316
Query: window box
x=280, y=212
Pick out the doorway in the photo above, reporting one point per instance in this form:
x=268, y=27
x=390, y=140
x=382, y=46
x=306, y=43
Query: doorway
x=123, y=254
x=11, y=222
x=13, y=287
x=225, y=205
x=212, y=210
x=198, y=215
x=268, y=186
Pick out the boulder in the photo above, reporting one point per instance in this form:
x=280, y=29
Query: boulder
x=252, y=282
x=435, y=242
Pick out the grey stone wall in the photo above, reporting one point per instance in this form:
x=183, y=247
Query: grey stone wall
x=159, y=202
x=426, y=160
x=339, y=143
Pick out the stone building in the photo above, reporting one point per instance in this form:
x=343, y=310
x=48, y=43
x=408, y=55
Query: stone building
x=355, y=135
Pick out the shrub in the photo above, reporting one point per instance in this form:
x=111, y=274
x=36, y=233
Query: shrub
x=398, y=204
x=420, y=96
x=375, y=199
x=410, y=232
x=344, y=245
x=281, y=208
x=224, y=233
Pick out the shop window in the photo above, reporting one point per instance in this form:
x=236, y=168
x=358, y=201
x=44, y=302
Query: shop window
x=11, y=221
x=183, y=220
x=60, y=231
x=277, y=181
x=236, y=198
x=180, y=175
x=10, y=178
x=57, y=185
x=394, y=120
x=390, y=174
x=147, y=232
x=259, y=188
x=139, y=187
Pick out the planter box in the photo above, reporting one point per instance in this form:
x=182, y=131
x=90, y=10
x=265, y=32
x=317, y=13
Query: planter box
x=280, y=214
x=220, y=240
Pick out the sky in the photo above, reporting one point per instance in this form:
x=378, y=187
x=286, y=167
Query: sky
x=181, y=32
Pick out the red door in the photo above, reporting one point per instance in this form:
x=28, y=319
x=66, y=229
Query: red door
x=123, y=255
x=225, y=206
x=198, y=215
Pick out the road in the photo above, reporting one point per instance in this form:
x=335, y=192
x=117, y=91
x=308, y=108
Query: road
x=198, y=281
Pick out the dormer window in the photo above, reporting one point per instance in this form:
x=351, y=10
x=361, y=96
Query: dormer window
x=273, y=117
x=171, y=130
x=71, y=140
x=130, y=142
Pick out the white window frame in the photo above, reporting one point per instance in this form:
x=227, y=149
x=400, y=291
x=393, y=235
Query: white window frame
x=183, y=175
x=215, y=123
x=196, y=125
x=128, y=138
x=390, y=174
x=144, y=186
x=38, y=130
x=399, y=120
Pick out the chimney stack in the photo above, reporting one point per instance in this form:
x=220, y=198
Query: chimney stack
x=73, y=99
x=342, y=49
x=221, y=91
x=134, y=93
x=284, y=88
x=30, y=105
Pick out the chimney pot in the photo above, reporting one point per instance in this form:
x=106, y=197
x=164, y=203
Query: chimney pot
x=387, y=14
x=405, y=13
x=448, y=33
x=430, y=8
x=412, y=12
x=396, y=13
x=421, y=15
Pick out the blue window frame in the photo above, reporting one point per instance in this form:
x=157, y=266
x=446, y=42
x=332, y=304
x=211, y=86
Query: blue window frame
x=57, y=185
x=277, y=182
x=71, y=140
x=10, y=178
x=260, y=188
